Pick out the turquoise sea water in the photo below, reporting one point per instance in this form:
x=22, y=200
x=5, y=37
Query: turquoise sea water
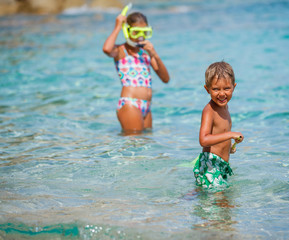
x=66, y=171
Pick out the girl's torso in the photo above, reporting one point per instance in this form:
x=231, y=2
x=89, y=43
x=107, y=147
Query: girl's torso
x=134, y=72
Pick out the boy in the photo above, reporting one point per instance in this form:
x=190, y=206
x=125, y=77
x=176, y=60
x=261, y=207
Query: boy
x=215, y=136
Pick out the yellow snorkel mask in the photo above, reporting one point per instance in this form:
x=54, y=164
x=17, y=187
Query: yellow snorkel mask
x=134, y=32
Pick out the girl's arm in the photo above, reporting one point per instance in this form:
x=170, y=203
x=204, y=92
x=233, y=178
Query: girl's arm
x=156, y=62
x=109, y=47
x=206, y=137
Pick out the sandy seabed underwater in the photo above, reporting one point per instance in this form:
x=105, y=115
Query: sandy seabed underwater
x=67, y=172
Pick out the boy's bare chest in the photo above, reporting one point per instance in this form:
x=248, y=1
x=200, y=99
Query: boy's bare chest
x=222, y=122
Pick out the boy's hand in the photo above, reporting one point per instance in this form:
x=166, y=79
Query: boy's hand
x=238, y=138
x=233, y=149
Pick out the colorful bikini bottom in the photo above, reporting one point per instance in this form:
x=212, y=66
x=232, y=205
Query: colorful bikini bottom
x=143, y=105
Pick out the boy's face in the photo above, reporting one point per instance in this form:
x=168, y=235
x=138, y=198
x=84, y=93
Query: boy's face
x=221, y=91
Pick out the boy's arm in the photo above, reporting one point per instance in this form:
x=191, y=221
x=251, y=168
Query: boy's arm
x=206, y=137
x=109, y=47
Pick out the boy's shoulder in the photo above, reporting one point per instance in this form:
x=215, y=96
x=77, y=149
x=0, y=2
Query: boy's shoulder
x=212, y=107
x=212, y=111
x=208, y=113
x=208, y=108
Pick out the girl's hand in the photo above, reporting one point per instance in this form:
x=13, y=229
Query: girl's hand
x=156, y=62
x=149, y=47
x=109, y=47
x=120, y=19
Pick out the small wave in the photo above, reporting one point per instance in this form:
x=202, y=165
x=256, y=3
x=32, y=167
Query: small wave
x=181, y=9
x=64, y=229
x=245, y=116
x=85, y=9
x=281, y=115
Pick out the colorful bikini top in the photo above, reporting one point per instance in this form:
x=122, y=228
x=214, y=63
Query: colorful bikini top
x=134, y=70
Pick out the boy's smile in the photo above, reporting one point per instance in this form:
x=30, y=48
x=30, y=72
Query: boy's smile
x=221, y=91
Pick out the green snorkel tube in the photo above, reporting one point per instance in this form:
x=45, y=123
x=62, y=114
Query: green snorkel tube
x=124, y=28
x=235, y=144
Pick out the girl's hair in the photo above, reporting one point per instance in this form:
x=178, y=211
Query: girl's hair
x=136, y=17
x=219, y=70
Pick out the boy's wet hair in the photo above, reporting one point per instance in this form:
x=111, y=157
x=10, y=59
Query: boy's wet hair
x=136, y=17
x=219, y=70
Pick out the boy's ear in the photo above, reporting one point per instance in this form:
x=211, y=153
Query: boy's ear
x=235, y=85
x=206, y=89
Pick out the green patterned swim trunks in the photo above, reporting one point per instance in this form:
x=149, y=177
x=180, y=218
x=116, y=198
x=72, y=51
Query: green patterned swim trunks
x=210, y=170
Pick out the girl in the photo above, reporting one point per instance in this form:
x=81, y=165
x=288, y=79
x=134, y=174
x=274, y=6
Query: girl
x=133, y=60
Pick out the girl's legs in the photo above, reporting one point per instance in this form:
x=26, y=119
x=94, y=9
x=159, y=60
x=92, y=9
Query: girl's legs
x=131, y=119
x=148, y=120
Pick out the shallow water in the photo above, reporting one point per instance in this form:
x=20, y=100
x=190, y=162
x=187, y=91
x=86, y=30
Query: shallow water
x=66, y=171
